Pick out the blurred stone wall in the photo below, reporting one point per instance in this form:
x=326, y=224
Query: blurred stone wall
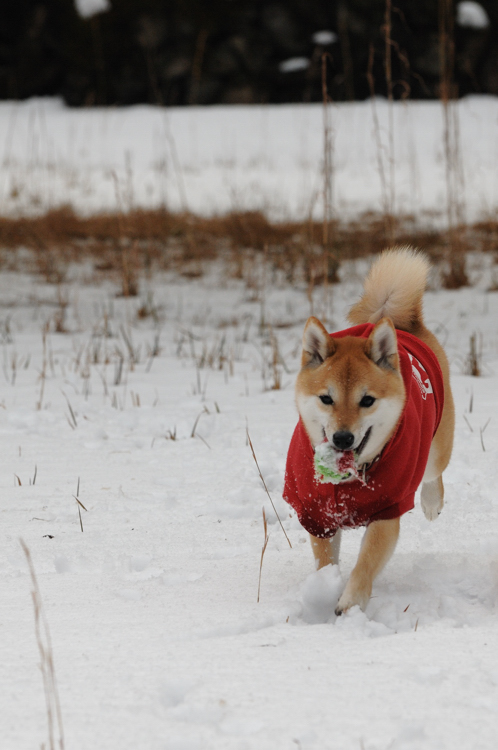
x=179, y=52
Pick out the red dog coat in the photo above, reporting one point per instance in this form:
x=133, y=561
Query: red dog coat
x=393, y=479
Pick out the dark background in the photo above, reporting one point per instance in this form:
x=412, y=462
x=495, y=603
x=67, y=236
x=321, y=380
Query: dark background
x=228, y=51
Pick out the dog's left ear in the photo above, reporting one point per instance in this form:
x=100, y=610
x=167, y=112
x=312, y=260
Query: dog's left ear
x=382, y=345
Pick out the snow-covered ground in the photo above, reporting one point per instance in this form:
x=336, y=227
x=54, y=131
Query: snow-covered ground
x=158, y=640
x=218, y=159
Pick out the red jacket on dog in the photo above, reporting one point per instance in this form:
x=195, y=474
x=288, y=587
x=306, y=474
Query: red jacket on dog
x=323, y=508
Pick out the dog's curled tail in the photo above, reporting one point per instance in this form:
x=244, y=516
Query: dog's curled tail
x=394, y=288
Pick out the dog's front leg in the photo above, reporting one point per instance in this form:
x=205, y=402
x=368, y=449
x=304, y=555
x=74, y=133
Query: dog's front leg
x=376, y=549
x=326, y=551
x=432, y=498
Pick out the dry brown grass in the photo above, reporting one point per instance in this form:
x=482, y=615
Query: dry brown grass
x=473, y=363
x=130, y=244
x=44, y=642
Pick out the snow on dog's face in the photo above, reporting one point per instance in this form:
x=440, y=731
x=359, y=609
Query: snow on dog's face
x=350, y=391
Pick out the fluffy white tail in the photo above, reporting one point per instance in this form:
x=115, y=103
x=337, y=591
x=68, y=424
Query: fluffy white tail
x=394, y=288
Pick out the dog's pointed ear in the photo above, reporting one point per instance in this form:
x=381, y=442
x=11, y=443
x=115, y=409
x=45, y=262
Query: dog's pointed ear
x=382, y=345
x=317, y=344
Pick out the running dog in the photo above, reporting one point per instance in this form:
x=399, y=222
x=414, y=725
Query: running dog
x=376, y=420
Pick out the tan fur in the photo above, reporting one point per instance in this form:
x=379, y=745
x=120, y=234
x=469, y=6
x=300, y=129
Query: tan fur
x=378, y=545
x=393, y=290
x=326, y=551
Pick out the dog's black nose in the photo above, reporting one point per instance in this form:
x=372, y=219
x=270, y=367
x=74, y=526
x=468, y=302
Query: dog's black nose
x=343, y=440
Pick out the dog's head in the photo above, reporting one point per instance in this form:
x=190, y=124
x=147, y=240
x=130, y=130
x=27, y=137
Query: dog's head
x=350, y=390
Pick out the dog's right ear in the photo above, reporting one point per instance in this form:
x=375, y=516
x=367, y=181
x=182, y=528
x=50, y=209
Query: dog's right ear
x=382, y=346
x=317, y=344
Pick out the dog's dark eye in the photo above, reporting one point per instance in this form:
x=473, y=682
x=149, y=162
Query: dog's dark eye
x=367, y=401
x=326, y=400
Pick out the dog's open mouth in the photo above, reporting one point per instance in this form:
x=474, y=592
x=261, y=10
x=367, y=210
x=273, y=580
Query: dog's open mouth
x=357, y=451
x=363, y=442
x=335, y=466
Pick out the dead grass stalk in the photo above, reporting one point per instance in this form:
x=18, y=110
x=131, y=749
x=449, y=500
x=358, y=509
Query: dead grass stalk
x=44, y=641
x=264, y=485
x=263, y=550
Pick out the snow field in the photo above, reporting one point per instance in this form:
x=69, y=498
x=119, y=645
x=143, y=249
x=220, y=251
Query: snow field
x=212, y=160
x=158, y=639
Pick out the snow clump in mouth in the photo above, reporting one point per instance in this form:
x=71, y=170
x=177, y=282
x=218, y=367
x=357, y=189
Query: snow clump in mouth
x=334, y=467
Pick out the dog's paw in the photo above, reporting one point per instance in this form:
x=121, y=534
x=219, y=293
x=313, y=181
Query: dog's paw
x=431, y=512
x=431, y=500
x=350, y=598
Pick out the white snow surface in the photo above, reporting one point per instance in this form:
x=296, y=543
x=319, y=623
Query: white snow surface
x=158, y=640
x=216, y=159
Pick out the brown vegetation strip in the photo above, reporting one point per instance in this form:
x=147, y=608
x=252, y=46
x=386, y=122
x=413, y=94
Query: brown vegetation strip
x=149, y=236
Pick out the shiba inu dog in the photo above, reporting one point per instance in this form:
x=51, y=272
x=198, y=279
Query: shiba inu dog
x=376, y=420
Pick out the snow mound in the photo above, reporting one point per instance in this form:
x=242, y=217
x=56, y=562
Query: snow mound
x=319, y=595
